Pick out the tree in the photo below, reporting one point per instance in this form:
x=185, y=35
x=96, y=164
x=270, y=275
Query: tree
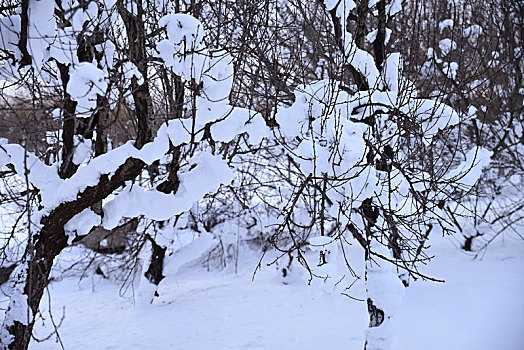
x=101, y=60
x=467, y=53
x=146, y=110
x=367, y=163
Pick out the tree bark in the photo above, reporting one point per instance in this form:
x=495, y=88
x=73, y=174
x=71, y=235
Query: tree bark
x=51, y=239
x=24, y=28
x=156, y=266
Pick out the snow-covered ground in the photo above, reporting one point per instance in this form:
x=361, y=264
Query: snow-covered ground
x=480, y=307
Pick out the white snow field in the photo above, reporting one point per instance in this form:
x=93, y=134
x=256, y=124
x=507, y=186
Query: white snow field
x=480, y=307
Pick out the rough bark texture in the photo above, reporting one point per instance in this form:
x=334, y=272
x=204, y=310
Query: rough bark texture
x=51, y=242
x=5, y=273
x=137, y=52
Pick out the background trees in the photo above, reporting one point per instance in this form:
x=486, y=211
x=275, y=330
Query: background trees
x=469, y=50
x=308, y=126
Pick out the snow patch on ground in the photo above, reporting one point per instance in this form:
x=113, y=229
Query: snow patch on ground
x=479, y=307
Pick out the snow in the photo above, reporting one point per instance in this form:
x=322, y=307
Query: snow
x=363, y=62
x=54, y=190
x=447, y=23
x=210, y=312
x=82, y=149
x=473, y=33
x=130, y=70
x=434, y=116
x=4, y=156
x=320, y=241
x=373, y=34
x=394, y=7
x=187, y=254
x=185, y=34
x=41, y=31
x=344, y=7
x=330, y=4
x=380, y=338
x=446, y=45
x=256, y=129
x=450, y=69
x=183, y=28
x=17, y=310
x=85, y=82
x=217, y=79
x=41, y=175
x=469, y=171
x=392, y=69
x=383, y=285
x=385, y=290
x=193, y=308
x=203, y=174
x=197, y=309
x=328, y=270
x=474, y=309
x=231, y=126
x=9, y=29
x=212, y=71
x=308, y=104
x=81, y=223
x=83, y=14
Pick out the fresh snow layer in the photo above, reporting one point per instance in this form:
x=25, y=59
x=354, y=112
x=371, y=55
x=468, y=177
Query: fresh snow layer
x=478, y=308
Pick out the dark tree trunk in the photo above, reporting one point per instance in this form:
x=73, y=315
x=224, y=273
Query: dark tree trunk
x=67, y=168
x=24, y=31
x=378, y=45
x=376, y=316
x=51, y=242
x=156, y=266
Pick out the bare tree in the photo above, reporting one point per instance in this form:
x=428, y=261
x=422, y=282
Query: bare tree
x=382, y=116
x=103, y=62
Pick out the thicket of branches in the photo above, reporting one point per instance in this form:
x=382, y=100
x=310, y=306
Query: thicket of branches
x=304, y=127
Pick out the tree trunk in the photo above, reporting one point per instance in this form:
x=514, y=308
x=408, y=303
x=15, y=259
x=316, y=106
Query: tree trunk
x=156, y=266
x=40, y=253
x=51, y=242
x=383, y=287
